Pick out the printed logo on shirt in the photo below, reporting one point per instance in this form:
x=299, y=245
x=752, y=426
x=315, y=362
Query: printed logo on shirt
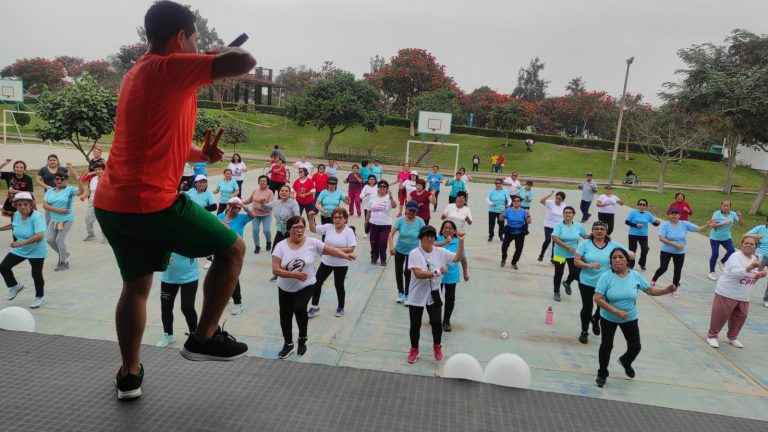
x=747, y=281
x=296, y=264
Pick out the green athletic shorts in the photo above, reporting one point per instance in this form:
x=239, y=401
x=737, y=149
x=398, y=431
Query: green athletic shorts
x=143, y=243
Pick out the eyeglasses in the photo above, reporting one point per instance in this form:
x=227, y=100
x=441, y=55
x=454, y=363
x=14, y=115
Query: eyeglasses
x=59, y=178
x=641, y=205
x=598, y=229
x=297, y=228
x=382, y=187
x=498, y=183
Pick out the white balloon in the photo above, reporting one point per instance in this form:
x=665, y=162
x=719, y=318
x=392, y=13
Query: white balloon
x=463, y=366
x=509, y=370
x=17, y=319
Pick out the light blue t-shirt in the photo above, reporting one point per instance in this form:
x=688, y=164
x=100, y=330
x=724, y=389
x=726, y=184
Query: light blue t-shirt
x=527, y=198
x=637, y=217
x=330, y=200
x=364, y=172
x=203, y=199
x=498, y=197
x=376, y=170
x=592, y=254
x=238, y=223
x=24, y=229
x=226, y=188
x=453, y=275
x=61, y=199
x=723, y=232
x=515, y=218
x=570, y=235
x=181, y=270
x=621, y=293
x=762, y=244
x=198, y=168
x=407, y=234
x=676, y=233
x=456, y=187
x=435, y=180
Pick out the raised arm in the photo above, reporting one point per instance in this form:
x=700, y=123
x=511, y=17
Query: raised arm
x=231, y=62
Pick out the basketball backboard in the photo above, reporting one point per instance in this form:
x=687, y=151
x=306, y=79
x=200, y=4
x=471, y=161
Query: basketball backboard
x=435, y=123
x=11, y=90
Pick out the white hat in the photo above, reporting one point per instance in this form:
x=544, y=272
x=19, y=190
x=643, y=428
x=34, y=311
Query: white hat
x=235, y=200
x=200, y=177
x=22, y=196
x=414, y=172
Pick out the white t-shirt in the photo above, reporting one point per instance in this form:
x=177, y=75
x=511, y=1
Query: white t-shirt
x=238, y=170
x=420, y=290
x=513, y=186
x=554, y=213
x=92, y=185
x=409, y=186
x=302, y=259
x=465, y=179
x=609, y=203
x=307, y=165
x=381, y=210
x=458, y=215
x=338, y=240
x=367, y=193
x=735, y=282
x=189, y=170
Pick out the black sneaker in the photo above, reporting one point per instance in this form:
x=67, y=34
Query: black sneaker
x=257, y=249
x=447, y=326
x=221, y=347
x=600, y=381
x=502, y=263
x=129, y=386
x=269, y=246
x=584, y=337
x=541, y=258
x=302, y=347
x=567, y=288
x=286, y=351
x=596, y=325
x=627, y=369
x=557, y=296
x=490, y=239
x=514, y=266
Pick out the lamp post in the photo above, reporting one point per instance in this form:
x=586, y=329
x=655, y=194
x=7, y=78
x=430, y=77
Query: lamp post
x=618, y=126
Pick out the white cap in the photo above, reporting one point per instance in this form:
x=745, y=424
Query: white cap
x=235, y=200
x=200, y=177
x=414, y=172
x=22, y=196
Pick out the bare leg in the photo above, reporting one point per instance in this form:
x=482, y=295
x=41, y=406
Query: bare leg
x=130, y=319
x=218, y=288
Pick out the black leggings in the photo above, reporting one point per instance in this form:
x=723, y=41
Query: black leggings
x=339, y=274
x=168, y=293
x=237, y=296
x=401, y=270
x=607, y=218
x=573, y=273
x=437, y=194
x=587, y=303
x=450, y=300
x=221, y=208
x=415, y=313
x=633, y=241
x=519, y=242
x=631, y=332
x=275, y=186
x=294, y=303
x=547, y=239
x=677, y=260
x=278, y=238
x=12, y=260
x=306, y=208
x=493, y=219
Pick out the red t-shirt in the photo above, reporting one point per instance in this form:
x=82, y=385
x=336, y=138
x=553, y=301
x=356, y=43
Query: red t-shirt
x=155, y=120
x=278, y=175
x=423, y=199
x=682, y=206
x=302, y=188
x=321, y=181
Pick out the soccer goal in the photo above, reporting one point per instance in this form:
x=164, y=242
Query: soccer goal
x=437, y=151
x=11, y=118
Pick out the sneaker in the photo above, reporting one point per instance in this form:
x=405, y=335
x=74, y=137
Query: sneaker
x=413, y=355
x=567, y=287
x=286, y=351
x=514, y=266
x=642, y=268
x=735, y=342
x=207, y=265
x=713, y=342
x=584, y=337
x=405, y=300
x=447, y=326
x=273, y=279
x=269, y=246
x=89, y=237
x=165, y=340
x=62, y=266
x=502, y=263
x=339, y=312
x=557, y=296
x=302, y=347
x=596, y=325
x=627, y=368
x=490, y=239
x=765, y=303
x=37, y=302
x=438, y=352
x=257, y=249
x=237, y=309
x=383, y=263
x=400, y=297
x=14, y=291
x=712, y=276
x=721, y=265
x=600, y=381
x=312, y=311
x=129, y=385
x=541, y=258
x=221, y=347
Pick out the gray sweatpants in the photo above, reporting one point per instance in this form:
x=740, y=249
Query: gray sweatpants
x=763, y=264
x=90, y=220
x=57, y=239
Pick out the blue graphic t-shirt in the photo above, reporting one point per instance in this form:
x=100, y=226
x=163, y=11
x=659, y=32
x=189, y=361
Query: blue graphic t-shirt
x=181, y=270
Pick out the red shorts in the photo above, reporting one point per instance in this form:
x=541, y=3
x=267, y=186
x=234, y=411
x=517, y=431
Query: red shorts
x=401, y=196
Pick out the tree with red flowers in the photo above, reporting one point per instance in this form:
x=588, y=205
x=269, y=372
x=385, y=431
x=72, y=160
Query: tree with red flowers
x=36, y=73
x=481, y=102
x=103, y=72
x=71, y=64
x=509, y=117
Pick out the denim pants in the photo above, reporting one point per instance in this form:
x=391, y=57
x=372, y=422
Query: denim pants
x=266, y=225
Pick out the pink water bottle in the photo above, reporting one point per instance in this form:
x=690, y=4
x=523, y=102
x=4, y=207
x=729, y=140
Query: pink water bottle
x=550, y=314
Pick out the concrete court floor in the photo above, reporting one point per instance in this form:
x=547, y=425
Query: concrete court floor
x=675, y=369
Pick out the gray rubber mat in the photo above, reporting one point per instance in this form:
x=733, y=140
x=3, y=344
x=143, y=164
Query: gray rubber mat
x=61, y=383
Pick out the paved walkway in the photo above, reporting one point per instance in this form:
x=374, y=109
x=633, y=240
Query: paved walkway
x=676, y=368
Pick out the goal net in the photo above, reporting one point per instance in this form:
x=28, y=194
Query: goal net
x=442, y=154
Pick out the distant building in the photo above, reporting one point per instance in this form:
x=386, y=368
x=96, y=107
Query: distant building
x=749, y=156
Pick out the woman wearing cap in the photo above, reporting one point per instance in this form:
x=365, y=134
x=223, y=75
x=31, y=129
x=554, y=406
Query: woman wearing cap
x=402, y=196
x=340, y=236
x=283, y=208
x=516, y=228
x=407, y=227
x=424, y=198
x=182, y=274
x=721, y=235
x=672, y=236
x=28, y=229
x=616, y=297
x=553, y=216
x=228, y=188
x=16, y=181
x=458, y=212
x=593, y=257
x=262, y=218
x=46, y=177
x=58, y=201
x=236, y=221
x=682, y=205
x=606, y=207
x=498, y=200
x=201, y=195
x=566, y=237
x=304, y=191
x=637, y=221
x=293, y=263
x=428, y=264
x=238, y=168
x=379, y=221
x=369, y=190
x=278, y=175
x=355, y=181
x=731, y=300
x=448, y=240
x=456, y=186
x=329, y=199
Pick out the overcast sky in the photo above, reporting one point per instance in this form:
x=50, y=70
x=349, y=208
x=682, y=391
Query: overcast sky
x=480, y=42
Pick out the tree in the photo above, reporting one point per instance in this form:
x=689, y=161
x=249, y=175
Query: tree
x=338, y=103
x=575, y=86
x=37, y=73
x=296, y=79
x=530, y=86
x=207, y=38
x=443, y=99
x=666, y=135
x=71, y=64
x=480, y=103
x=728, y=86
x=127, y=56
x=82, y=110
x=103, y=72
x=509, y=117
x=235, y=134
x=203, y=123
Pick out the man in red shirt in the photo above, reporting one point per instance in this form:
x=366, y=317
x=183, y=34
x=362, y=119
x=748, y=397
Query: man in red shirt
x=138, y=207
